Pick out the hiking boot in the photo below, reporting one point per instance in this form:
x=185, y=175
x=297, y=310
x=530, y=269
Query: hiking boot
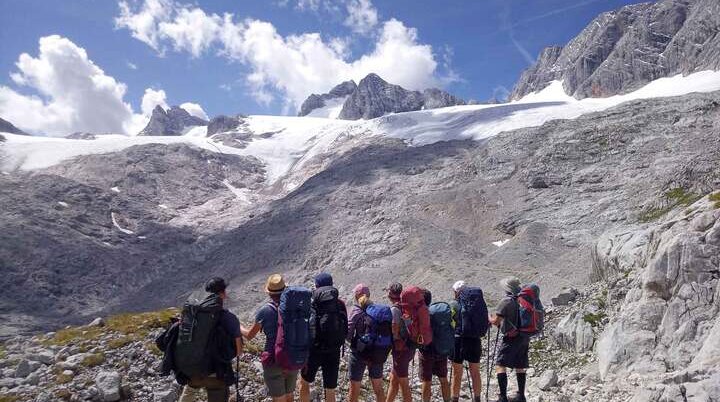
x=517, y=398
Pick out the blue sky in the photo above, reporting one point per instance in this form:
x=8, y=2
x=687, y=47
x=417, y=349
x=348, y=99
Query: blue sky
x=473, y=48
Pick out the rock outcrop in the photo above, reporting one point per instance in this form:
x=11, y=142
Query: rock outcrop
x=7, y=127
x=315, y=101
x=375, y=97
x=620, y=51
x=221, y=124
x=170, y=122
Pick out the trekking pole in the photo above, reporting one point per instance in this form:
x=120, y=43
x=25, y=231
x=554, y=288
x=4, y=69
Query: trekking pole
x=469, y=381
x=487, y=368
x=497, y=338
x=238, y=398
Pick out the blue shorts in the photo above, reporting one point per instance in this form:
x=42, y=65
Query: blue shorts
x=358, y=365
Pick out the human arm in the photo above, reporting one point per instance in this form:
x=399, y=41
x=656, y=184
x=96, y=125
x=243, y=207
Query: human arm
x=250, y=332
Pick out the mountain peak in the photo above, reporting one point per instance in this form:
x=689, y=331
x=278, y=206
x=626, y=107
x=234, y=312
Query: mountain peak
x=170, y=122
x=7, y=127
x=317, y=101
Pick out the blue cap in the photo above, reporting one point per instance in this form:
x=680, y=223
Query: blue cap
x=323, y=279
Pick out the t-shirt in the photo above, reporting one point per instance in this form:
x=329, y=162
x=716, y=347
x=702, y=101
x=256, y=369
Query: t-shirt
x=230, y=323
x=267, y=316
x=508, y=309
x=455, y=310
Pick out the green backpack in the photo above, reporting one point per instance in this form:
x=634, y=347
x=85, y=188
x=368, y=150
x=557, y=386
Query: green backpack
x=200, y=317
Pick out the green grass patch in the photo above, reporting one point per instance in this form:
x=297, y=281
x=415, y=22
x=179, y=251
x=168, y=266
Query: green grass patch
x=715, y=199
x=9, y=398
x=63, y=378
x=70, y=335
x=673, y=198
x=125, y=340
x=3, y=352
x=93, y=360
x=594, y=319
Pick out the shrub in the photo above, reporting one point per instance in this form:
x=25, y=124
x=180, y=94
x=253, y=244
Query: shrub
x=94, y=359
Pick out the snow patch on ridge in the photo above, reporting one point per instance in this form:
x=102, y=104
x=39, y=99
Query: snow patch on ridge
x=331, y=110
x=117, y=225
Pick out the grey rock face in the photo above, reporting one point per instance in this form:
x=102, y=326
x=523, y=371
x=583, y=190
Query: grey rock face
x=222, y=123
x=108, y=383
x=547, y=380
x=81, y=136
x=170, y=122
x=7, y=127
x=574, y=333
x=564, y=297
x=619, y=51
x=316, y=101
x=375, y=97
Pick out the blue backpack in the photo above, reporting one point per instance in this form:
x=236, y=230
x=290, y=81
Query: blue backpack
x=292, y=345
x=473, y=312
x=376, y=341
x=443, y=329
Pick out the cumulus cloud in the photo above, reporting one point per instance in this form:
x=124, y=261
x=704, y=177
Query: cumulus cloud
x=291, y=66
x=362, y=16
x=195, y=110
x=69, y=93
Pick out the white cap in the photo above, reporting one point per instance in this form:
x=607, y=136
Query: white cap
x=458, y=286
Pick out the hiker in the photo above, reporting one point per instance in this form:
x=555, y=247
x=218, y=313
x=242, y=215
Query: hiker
x=370, y=337
x=280, y=382
x=471, y=318
x=434, y=357
x=403, y=352
x=203, y=325
x=515, y=345
x=328, y=330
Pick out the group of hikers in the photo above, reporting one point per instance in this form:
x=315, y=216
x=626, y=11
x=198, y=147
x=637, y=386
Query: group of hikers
x=307, y=331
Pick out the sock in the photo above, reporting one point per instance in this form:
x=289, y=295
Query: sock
x=502, y=383
x=521, y=383
x=456, y=399
x=478, y=398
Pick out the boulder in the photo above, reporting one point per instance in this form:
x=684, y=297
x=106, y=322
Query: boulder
x=168, y=394
x=98, y=322
x=108, y=384
x=574, y=333
x=23, y=369
x=547, y=380
x=564, y=298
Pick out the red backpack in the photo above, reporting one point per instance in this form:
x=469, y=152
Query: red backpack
x=416, y=316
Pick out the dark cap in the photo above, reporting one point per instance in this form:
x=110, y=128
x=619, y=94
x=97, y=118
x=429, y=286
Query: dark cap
x=394, y=290
x=323, y=279
x=215, y=285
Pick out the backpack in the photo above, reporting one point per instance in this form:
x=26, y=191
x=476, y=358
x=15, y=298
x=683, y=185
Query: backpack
x=416, y=316
x=376, y=339
x=443, y=328
x=331, y=320
x=292, y=344
x=531, y=313
x=473, y=320
x=198, y=321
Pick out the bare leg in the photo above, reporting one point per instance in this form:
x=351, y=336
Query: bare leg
x=476, y=379
x=445, y=388
x=457, y=372
x=426, y=391
x=354, y=391
x=393, y=388
x=405, y=389
x=329, y=394
x=377, y=385
x=304, y=390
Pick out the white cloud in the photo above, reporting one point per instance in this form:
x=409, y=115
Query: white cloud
x=195, y=110
x=362, y=16
x=131, y=65
x=151, y=99
x=74, y=93
x=292, y=66
x=70, y=93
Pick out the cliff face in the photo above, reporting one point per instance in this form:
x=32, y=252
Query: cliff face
x=620, y=51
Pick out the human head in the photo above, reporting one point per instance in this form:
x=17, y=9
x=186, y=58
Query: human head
x=394, y=290
x=275, y=285
x=323, y=279
x=510, y=285
x=458, y=287
x=428, y=297
x=361, y=290
x=216, y=286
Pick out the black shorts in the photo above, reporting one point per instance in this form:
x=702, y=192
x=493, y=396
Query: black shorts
x=513, y=352
x=330, y=364
x=467, y=349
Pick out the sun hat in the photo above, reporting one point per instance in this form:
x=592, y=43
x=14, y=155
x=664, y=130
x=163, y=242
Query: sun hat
x=275, y=284
x=361, y=289
x=458, y=286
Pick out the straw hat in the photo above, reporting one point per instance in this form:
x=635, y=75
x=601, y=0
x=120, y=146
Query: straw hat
x=275, y=284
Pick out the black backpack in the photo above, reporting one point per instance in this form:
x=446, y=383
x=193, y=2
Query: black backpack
x=331, y=320
x=473, y=322
x=196, y=340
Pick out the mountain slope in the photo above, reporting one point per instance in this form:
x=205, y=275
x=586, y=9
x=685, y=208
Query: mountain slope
x=619, y=51
x=7, y=127
x=173, y=121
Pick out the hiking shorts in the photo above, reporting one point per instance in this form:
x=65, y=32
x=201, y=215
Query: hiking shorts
x=357, y=368
x=513, y=352
x=330, y=364
x=467, y=350
x=431, y=365
x=401, y=361
x=279, y=382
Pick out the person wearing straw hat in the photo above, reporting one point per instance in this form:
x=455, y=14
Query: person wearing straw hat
x=280, y=383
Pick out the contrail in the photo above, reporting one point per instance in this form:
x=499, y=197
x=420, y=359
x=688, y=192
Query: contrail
x=551, y=13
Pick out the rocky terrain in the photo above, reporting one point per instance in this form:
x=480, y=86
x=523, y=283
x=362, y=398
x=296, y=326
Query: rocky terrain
x=340, y=92
x=622, y=50
x=173, y=121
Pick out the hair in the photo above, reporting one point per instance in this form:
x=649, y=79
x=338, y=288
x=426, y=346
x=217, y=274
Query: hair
x=363, y=301
x=275, y=297
x=428, y=296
